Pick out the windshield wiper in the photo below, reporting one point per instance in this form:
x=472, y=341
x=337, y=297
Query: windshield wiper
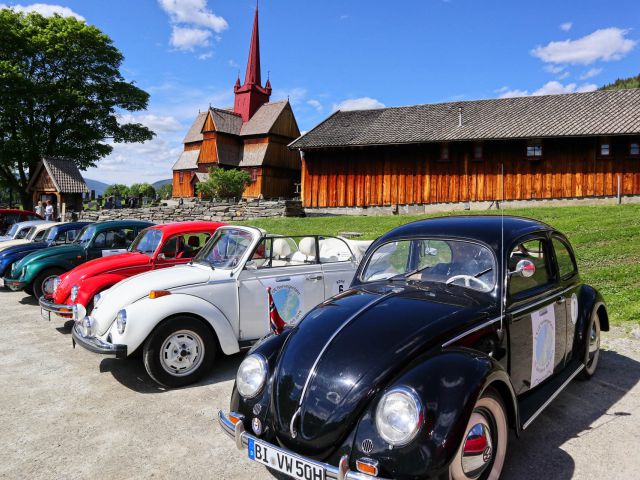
x=477, y=275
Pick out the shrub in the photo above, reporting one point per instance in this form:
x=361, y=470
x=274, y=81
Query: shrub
x=224, y=183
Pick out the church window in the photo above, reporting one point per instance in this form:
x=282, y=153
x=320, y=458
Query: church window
x=634, y=149
x=534, y=150
x=254, y=174
x=444, y=152
x=478, y=152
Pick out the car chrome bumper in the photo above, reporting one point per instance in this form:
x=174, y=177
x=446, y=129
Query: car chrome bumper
x=13, y=285
x=96, y=345
x=57, y=308
x=241, y=437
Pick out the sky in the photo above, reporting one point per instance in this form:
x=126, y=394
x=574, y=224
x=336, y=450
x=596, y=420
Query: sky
x=335, y=54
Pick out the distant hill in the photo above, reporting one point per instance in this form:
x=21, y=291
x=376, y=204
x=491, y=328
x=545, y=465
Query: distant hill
x=621, y=83
x=99, y=187
x=160, y=183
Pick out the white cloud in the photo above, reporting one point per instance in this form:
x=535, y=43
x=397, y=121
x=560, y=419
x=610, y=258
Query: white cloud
x=554, y=68
x=592, y=72
x=605, y=44
x=192, y=24
x=566, y=26
x=189, y=38
x=344, y=17
x=295, y=94
x=550, y=88
x=158, y=123
x=205, y=56
x=564, y=76
x=193, y=12
x=233, y=64
x=44, y=9
x=362, y=103
x=315, y=104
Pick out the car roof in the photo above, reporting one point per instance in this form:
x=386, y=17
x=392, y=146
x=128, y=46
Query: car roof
x=45, y=225
x=15, y=210
x=31, y=223
x=485, y=228
x=71, y=225
x=122, y=223
x=186, y=227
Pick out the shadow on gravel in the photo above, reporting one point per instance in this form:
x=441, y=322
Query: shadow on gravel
x=29, y=300
x=66, y=327
x=580, y=410
x=131, y=373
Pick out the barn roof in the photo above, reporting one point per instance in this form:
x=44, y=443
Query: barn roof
x=264, y=119
x=226, y=121
x=195, y=132
x=188, y=160
x=64, y=174
x=607, y=112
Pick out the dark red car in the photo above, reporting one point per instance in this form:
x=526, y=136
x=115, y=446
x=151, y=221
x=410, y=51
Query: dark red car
x=159, y=246
x=9, y=216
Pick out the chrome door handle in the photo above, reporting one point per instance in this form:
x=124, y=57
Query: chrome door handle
x=314, y=277
x=283, y=279
x=561, y=300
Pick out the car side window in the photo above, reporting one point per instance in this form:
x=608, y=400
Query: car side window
x=334, y=250
x=39, y=236
x=285, y=252
x=566, y=263
x=534, y=251
x=189, y=244
x=117, y=238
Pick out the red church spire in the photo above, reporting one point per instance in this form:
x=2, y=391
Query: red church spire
x=251, y=96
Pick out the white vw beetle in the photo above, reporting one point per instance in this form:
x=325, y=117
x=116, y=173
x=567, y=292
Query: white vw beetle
x=183, y=316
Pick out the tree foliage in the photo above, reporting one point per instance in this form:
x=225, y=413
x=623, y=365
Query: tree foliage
x=117, y=190
x=61, y=93
x=142, y=190
x=224, y=183
x=622, y=83
x=165, y=192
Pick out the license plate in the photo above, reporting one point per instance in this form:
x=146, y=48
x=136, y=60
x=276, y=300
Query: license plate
x=46, y=315
x=1, y=282
x=291, y=465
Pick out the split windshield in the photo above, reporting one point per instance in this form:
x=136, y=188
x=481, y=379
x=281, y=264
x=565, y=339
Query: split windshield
x=452, y=262
x=226, y=248
x=85, y=235
x=146, y=242
x=23, y=233
x=12, y=231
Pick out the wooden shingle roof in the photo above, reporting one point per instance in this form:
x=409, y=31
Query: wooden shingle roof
x=226, y=121
x=264, y=119
x=64, y=174
x=188, y=160
x=608, y=112
x=195, y=132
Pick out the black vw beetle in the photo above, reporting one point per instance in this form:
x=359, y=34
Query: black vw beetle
x=453, y=331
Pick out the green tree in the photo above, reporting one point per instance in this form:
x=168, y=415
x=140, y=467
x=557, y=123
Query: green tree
x=224, y=183
x=117, y=190
x=621, y=83
x=61, y=94
x=142, y=190
x=165, y=192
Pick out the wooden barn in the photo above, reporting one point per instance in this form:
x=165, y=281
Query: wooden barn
x=252, y=136
x=550, y=147
x=58, y=180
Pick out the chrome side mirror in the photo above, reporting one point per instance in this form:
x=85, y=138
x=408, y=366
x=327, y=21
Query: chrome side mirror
x=524, y=268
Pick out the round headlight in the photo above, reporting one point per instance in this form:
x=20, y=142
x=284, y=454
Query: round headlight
x=121, y=321
x=251, y=376
x=56, y=283
x=87, y=326
x=399, y=416
x=74, y=293
x=96, y=299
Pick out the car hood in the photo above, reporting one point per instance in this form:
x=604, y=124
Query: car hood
x=12, y=243
x=99, y=266
x=358, y=342
x=134, y=288
x=68, y=251
x=28, y=247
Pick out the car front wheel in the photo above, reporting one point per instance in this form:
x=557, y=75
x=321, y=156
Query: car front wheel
x=179, y=351
x=592, y=353
x=37, y=290
x=484, y=446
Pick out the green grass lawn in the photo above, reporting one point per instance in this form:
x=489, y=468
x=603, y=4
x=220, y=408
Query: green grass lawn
x=606, y=240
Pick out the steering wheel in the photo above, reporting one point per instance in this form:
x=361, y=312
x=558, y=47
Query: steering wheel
x=468, y=280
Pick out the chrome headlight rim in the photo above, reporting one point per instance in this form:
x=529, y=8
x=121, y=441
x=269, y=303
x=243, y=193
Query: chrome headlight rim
x=121, y=321
x=87, y=326
x=74, y=293
x=240, y=380
x=56, y=284
x=409, y=395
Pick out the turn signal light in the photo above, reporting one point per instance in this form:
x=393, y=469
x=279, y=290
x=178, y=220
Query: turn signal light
x=368, y=466
x=158, y=293
x=233, y=418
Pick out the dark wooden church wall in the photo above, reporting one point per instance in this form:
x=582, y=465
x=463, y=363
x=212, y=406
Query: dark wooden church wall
x=570, y=168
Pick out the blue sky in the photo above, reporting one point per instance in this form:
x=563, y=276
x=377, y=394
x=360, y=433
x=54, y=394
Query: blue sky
x=334, y=54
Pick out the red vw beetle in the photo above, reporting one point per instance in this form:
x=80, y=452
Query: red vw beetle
x=159, y=246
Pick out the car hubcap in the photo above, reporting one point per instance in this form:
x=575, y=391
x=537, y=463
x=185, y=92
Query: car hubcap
x=594, y=345
x=477, y=451
x=182, y=353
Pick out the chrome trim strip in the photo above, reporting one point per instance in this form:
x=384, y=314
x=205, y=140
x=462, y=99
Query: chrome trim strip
x=546, y=299
x=335, y=334
x=332, y=473
x=552, y=397
x=472, y=330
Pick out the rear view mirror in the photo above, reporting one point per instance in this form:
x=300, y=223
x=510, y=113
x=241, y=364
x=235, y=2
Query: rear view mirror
x=524, y=268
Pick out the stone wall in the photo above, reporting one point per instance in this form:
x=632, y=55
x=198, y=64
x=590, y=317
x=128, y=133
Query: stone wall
x=223, y=212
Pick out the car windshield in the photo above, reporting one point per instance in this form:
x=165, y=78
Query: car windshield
x=226, y=248
x=12, y=231
x=23, y=232
x=146, y=242
x=85, y=235
x=452, y=262
x=51, y=234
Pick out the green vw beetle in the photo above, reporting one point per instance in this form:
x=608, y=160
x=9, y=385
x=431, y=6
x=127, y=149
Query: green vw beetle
x=95, y=240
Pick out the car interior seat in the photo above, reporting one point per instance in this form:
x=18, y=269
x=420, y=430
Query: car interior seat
x=281, y=252
x=306, y=251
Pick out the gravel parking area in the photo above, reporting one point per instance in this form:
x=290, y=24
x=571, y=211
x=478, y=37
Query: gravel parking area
x=67, y=413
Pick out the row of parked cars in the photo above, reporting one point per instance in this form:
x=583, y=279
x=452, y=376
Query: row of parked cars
x=407, y=357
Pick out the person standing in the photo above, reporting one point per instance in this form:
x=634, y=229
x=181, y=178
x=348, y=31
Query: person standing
x=39, y=210
x=48, y=211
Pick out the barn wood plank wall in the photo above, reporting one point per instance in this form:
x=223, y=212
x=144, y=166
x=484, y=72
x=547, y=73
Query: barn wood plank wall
x=182, y=189
x=570, y=168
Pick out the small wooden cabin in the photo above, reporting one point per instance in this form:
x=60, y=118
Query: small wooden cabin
x=58, y=180
x=550, y=147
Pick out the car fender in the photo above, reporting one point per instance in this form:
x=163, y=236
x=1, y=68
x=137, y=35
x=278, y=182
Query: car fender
x=589, y=301
x=34, y=269
x=448, y=384
x=146, y=314
x=90, y=286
